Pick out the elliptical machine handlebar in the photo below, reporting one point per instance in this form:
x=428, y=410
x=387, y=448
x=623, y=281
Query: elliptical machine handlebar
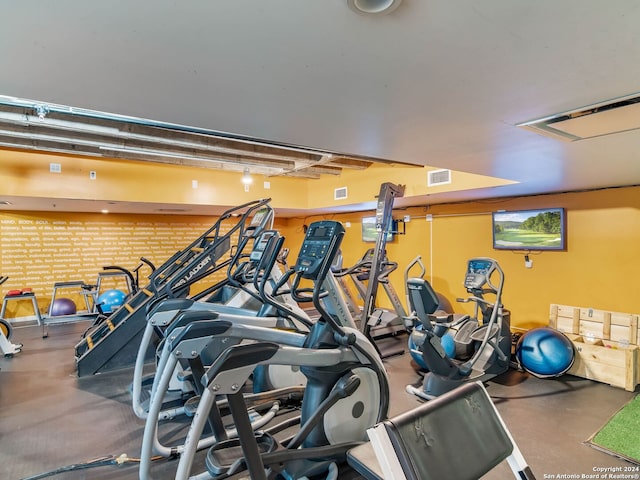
x=388, y=267
x=473, y=298
x=496, y=308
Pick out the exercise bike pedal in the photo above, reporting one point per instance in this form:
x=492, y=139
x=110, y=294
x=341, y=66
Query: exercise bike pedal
x=226, y=457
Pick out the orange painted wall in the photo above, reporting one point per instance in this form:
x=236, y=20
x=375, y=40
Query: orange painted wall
x=27, y=174
x=38, y=249
x=364, y=186
x=598, y=269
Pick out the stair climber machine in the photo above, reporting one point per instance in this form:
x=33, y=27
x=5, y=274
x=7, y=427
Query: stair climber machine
x=489, y=341
x=114, y=343
x=375, y=322
x=246, y=274
x=106, y=301
x=347, y=388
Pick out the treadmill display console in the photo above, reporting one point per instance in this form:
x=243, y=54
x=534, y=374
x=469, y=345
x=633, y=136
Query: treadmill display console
x=318, y=243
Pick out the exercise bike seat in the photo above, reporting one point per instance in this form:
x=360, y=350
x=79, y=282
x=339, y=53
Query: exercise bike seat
x=423, y=300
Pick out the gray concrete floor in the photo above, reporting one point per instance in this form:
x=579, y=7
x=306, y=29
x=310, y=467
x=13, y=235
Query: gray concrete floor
x=49, y=418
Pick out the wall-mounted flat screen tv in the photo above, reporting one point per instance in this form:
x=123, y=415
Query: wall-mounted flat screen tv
x=369, y=232
x=543, y=229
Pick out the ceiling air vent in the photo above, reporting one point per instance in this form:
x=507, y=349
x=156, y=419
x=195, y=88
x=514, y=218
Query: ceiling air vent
x=605, y=118
x=438, y=177
x=340, y=193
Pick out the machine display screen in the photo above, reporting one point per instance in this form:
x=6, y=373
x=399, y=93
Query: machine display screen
x=319, y=242
x=478, y=266
x=319, y=232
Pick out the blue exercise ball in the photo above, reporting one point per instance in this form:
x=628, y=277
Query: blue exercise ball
x=62, y=306
x=545, y=352
x=417, y=337
x=111, y=300
x=449, y=345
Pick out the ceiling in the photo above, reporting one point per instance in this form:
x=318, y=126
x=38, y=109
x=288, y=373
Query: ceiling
x=436, y=82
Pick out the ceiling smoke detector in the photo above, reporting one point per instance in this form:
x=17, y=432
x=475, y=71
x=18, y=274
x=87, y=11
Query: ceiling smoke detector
x=373, y=7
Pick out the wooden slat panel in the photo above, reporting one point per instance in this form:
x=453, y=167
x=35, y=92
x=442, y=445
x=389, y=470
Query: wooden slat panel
x=589, y=314
x=616, y=326
x=591, y=329
x=623, y=319
x=606, y=362
x=553, y=316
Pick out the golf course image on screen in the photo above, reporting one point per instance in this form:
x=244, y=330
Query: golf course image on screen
x=542, y=229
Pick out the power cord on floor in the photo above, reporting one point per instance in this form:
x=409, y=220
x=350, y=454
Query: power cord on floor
x=98, y=462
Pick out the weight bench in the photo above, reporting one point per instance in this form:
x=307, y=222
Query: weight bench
x=457, y=436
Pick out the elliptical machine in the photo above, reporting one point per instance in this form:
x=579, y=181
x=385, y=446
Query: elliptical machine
x=347, y=388
x=490, y=341
x=169, y=316
x=192, y=343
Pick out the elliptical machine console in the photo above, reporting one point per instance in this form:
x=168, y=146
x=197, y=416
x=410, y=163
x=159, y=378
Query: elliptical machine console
x=319, y=243
x=478, y=273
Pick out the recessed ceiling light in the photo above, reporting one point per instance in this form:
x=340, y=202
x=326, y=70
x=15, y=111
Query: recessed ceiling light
x=373, y=7
x=104, y=210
